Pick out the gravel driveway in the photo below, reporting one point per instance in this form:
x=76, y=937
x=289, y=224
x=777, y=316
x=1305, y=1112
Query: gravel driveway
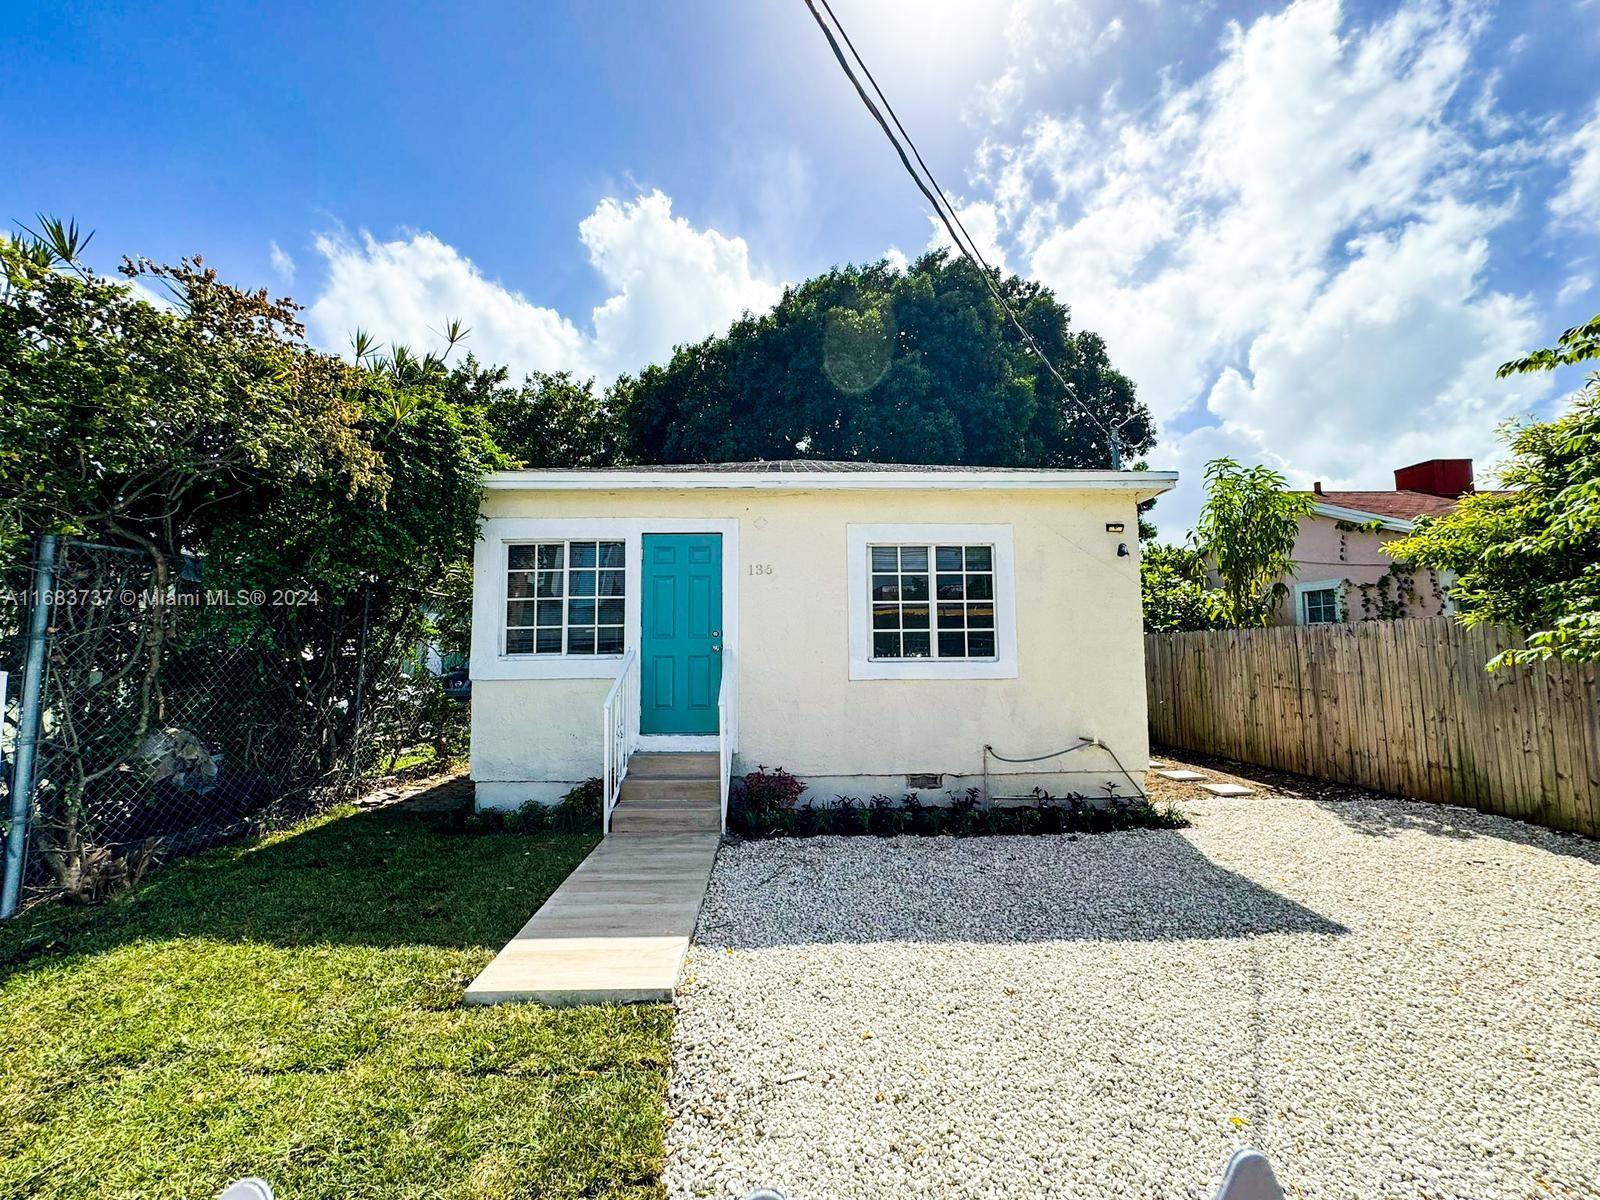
x=1392, y=999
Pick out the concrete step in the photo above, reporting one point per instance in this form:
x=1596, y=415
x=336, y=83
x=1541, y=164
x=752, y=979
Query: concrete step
x=671, y=803
x=672, y=766
x=634, y=788
x=666, y=818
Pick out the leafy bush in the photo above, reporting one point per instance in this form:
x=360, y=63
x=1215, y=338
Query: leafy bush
x=1174, y=592
x=763, y=797
x=764, y=804
x=577, y=812
x=1529, y=556
x=209, y=431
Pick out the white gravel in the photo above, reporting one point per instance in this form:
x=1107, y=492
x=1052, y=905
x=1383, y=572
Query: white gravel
x=1391, y=999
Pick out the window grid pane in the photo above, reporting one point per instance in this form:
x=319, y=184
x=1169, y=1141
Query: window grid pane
x=1322, y=607
x=565, y=597
x=932, y=601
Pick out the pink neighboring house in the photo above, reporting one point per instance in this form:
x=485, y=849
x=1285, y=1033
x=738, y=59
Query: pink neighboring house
x=1343, y=574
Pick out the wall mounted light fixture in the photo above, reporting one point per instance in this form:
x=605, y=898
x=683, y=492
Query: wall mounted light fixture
x=1114, y=526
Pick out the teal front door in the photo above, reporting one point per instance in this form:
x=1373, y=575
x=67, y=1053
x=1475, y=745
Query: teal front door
x=680, y=654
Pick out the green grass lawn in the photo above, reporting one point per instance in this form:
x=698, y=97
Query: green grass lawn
x=291, y=1009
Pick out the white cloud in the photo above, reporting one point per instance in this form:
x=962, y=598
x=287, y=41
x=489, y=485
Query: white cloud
x=160, y=299
x=1578, y=200
x=1391, y=363
x=1110, y=35
x=1289, y=254
x=671, y=283
x=282, y=263
x=996, y=100
x=1573, y=287
x=403, y=291
x=1040, y=36
x=668, y=283
x=981, y=222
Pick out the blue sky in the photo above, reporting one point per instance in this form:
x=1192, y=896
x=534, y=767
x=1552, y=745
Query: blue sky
x=1307, y=231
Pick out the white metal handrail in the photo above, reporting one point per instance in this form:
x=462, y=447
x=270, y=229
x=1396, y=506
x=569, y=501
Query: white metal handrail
x=619, y=732
x=727, y=703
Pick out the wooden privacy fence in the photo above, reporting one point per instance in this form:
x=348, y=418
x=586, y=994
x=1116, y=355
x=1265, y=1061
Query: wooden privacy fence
x=1400, y=706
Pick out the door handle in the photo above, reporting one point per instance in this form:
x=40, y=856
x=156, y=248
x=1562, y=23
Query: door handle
x=716, y=647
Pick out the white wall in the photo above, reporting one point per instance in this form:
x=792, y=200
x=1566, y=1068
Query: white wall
x=1079, y=648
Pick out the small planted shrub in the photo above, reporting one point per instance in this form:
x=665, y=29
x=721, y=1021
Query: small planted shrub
x=576, y=812
x=765, y=804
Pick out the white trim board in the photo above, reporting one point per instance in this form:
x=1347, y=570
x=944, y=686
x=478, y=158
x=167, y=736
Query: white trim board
x=1144, y=484
x=1356, y=516
x=859, y=603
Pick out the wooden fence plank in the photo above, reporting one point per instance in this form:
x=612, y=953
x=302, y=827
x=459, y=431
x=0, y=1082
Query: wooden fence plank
x=1402, y=706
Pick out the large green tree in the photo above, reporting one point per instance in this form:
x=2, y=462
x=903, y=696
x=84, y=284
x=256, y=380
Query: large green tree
x=206, y=437
x=549, y=420
x=874, y=363
x=1530, y=556
x=140, y=426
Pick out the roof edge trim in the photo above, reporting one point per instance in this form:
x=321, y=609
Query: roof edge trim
x=1146, y=484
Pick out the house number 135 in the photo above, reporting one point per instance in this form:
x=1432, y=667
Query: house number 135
x=761, y=568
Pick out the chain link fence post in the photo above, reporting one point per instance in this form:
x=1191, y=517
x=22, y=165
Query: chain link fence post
x=32, y=697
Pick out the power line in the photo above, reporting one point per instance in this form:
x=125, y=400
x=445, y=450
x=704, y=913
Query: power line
x=948, y=217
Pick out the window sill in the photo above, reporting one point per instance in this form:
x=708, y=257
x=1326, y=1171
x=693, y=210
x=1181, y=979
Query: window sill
x=932, y=668
x=548, y=666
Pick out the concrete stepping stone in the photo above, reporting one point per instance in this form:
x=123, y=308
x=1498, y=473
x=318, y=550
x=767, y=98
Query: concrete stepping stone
x=1156, y=764
x=1228, y=789
x=1181, y=776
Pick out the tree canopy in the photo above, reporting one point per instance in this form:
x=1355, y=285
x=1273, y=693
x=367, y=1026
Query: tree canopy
x=127, y=423
x=873, y=363
x=1171, y=580
x=1530, y=556
x=207, y=436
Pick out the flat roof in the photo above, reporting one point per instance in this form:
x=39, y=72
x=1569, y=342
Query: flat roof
x=817, y=474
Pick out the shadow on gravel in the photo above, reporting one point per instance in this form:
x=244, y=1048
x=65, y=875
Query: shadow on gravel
x=1378, y=815
x=1382, y=814
x=1124, y=887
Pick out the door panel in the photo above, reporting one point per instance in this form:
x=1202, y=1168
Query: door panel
x=681, y=653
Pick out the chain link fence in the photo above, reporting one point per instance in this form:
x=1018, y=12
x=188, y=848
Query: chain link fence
x=167, y=722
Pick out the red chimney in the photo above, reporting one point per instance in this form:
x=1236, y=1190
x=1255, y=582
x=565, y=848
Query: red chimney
x=1450, y=477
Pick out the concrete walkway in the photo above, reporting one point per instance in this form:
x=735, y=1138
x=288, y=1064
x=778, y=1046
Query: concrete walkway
x=614, y=933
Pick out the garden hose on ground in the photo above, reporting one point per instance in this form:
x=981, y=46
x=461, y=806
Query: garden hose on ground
x=1082, y=743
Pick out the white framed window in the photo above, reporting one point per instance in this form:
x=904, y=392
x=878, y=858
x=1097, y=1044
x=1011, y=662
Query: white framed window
x=566, y=597
x=1318, y=603
x=931, y=602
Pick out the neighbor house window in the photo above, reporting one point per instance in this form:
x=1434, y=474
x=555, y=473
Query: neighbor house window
x=933, y=601
x=565, y=597
x=1320, y=606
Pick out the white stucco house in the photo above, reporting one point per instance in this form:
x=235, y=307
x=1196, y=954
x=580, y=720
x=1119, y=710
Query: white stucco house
x=869, y=628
